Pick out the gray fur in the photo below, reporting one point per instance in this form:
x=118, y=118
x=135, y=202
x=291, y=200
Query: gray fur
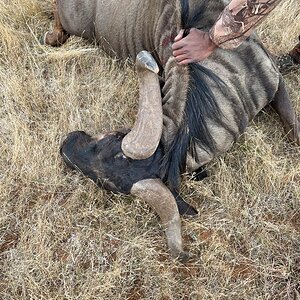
x=125, y=27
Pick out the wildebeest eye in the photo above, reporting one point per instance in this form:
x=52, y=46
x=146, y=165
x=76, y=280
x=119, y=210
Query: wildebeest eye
x=120, y=155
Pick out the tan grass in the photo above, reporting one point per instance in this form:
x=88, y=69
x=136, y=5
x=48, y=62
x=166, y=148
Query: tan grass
x=63, y=238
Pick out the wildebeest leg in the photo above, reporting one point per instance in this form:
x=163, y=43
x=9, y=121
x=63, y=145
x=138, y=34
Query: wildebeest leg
x=283, y=106
x=58, y=36
x=159, y=197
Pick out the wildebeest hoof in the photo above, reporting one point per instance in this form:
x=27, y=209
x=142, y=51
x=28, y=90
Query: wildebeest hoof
x=199, y=174
x=293, y=132
x=183, y=257
x=291, y=61
x=287, y=64
x=55, y=38
x=185, y=209
x=191, y=212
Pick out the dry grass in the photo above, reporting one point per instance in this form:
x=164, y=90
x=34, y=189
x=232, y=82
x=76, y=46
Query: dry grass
x=62, y=238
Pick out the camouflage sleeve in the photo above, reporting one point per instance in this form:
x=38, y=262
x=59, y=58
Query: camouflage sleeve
x=237, y=21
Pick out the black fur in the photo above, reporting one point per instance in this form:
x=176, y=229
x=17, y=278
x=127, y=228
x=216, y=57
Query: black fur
x=189, y=21
x=199, y=174
x=200, y=107
x=104, y=162
x=183, y=207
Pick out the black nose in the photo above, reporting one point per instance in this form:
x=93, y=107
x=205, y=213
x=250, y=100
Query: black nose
x=71, y=146
x=73, y=137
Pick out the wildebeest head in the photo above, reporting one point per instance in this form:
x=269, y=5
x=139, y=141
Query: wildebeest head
x=130, y=163
x=102, y=159
x=117, y=160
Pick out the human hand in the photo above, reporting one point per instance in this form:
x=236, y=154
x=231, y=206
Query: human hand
x=196, y=46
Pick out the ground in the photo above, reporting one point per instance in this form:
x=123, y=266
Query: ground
x=63, y=238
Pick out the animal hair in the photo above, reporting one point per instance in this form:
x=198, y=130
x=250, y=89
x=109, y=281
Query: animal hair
x=200, y=107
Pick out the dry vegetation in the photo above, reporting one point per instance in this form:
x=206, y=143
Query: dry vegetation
x=63, y=238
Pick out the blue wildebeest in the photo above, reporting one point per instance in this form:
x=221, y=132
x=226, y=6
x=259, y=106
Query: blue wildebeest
x=198, y=112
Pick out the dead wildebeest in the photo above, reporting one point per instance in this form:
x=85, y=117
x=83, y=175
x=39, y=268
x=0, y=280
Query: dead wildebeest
x=194, y=117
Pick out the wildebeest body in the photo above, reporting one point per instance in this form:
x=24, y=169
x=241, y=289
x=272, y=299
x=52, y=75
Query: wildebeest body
x=203, y=114
x=249, y=76
x=123, y=28
x=251, y=82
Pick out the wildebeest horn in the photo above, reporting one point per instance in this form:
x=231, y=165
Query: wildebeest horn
x=159, y=197
x=142, y=141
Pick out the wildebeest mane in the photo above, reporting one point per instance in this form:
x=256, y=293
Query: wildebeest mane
x=189, y=20
x=201, y=106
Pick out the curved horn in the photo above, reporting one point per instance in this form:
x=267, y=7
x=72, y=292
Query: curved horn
x=159, y=197
x=142, y=141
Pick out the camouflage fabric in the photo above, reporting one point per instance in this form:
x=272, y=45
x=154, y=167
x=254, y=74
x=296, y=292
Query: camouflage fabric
x=238, y=19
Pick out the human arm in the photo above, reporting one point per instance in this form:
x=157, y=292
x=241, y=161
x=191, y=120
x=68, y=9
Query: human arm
x=233, y=26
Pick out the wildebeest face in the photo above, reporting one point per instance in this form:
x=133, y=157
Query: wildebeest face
x=101, y=159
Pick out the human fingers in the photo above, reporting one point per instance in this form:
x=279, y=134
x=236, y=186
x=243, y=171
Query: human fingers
x=178, y=45
x=179, y=52
x=184, y=58
x=179, y=35
x=186, y=61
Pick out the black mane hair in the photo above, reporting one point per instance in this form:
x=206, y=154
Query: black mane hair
x=201, y=105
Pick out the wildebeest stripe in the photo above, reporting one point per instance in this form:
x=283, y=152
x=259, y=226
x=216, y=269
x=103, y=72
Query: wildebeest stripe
x=200, y=107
